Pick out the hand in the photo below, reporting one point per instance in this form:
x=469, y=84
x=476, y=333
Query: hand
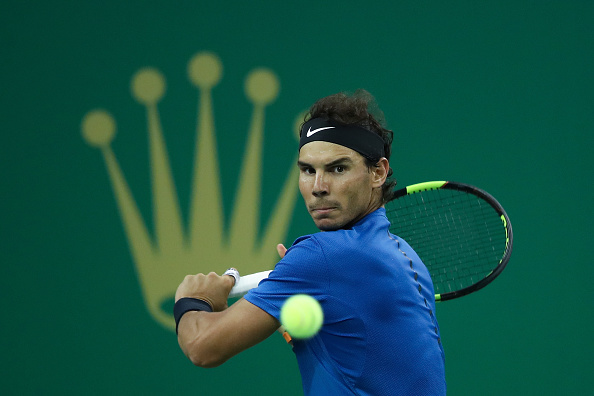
x=211, y=288
x=281, y=249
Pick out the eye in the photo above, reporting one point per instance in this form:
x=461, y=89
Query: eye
x=339, y=169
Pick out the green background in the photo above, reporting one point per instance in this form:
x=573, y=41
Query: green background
x=493, y=93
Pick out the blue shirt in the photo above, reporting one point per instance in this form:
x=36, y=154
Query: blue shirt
x=380, y=335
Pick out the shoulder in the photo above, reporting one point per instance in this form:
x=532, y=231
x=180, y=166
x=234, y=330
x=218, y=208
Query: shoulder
x=321, y=247
x=331, y=246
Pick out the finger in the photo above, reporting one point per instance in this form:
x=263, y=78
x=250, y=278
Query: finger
x=281, y=249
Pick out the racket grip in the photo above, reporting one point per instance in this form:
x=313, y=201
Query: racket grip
x=247, y=282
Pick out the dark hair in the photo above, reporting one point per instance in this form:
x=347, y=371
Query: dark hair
x=359, y=108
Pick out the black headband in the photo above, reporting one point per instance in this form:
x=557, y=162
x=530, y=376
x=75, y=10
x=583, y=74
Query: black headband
x=370, y=145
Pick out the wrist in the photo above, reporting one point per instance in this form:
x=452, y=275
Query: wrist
x=186, y=304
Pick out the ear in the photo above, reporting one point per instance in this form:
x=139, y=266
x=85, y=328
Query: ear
x=380, y=172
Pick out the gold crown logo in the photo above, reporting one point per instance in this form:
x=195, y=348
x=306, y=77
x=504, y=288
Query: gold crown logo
x=204, y=245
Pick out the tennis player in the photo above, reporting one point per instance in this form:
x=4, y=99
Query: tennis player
x=380, y=335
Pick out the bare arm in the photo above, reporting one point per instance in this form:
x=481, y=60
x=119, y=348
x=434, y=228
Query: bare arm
x=209, y=339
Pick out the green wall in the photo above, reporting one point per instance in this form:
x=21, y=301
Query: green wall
x=493, y=93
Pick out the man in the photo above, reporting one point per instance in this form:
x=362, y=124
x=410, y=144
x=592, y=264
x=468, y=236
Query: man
x=380, y=335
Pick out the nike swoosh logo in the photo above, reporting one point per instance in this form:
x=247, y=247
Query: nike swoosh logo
x=310, y=132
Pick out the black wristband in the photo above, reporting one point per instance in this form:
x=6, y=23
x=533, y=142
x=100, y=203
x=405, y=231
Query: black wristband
x=186, y=304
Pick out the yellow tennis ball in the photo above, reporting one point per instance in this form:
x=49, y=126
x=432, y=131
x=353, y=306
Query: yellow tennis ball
x=302, y=316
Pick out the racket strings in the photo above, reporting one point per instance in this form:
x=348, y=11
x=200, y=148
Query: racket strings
x=457, y=235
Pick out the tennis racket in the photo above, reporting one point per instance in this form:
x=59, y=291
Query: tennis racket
x=460, y=232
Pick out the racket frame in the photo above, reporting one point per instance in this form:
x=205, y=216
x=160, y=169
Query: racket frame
x=467, y=188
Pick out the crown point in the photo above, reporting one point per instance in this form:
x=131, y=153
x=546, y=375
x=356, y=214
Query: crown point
x=205, y=70
x=262, y=86
x=98, y=128
x=148, y=86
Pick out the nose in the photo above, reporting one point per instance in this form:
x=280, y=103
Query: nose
x=320, y=187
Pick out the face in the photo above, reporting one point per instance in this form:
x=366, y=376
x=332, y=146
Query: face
x=336, y=185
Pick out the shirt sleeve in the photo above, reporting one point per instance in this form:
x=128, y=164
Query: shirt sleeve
x=303, y=270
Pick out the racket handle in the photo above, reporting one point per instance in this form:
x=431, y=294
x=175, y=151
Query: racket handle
x=247, y=282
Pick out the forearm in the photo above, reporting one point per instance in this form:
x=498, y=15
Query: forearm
x=209, y=339
x=197, y=340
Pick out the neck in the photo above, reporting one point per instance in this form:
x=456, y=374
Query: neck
x=375, y=203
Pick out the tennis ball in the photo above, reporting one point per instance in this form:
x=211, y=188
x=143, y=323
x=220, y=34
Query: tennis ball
x=302, y=316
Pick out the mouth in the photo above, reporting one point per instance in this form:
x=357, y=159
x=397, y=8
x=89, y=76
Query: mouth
x=322, y=210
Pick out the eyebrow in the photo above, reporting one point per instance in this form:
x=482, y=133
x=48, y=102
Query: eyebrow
x=338, y=161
